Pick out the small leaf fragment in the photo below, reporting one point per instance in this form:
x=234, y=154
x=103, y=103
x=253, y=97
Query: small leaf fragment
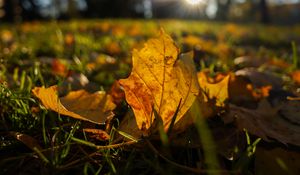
x=97, y=134
x=214, y=91
x=95, y=108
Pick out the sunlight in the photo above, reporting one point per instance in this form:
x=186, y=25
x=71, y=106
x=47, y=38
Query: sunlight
x=194, y=2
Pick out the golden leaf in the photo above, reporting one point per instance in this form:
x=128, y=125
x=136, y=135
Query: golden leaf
x=69, y=39
x=96, y=107
x=159, y=81
x=214, y=91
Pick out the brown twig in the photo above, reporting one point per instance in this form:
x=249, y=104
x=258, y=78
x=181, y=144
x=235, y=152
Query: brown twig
x=66, y=166
x=89, y=156
x=118, y=145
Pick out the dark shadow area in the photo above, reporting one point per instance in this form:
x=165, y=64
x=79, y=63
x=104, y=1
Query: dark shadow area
x=264, y=11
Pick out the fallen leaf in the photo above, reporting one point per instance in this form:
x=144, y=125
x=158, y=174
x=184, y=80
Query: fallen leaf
x=296, y=76
x=69, y=39
x=276, y=161
x=191, y=41
x=128, y=125
x=214, y=91
x=117, y=93
x=266, y=122
x=239, y=91
x=96, y=107
x=248, y=61
x=262, y=92
x=259, y=79
x=238, y=87
x=280, y=63
x=6, y=36
x=113, y=48
x=290, y=110
x=159, y=81
x=97, y=134
x=59, y=68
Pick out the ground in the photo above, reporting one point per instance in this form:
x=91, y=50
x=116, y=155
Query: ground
x=93, y=55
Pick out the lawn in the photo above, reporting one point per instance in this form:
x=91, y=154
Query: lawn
x=90, y=97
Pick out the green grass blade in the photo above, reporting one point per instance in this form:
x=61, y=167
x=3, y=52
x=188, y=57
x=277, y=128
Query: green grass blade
x=295, y=55
x=173, y=119
x=206, y=137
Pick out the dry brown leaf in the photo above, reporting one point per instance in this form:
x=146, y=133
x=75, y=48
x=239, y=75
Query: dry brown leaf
x=259, y=79
x=214, y=91
x=97, y=134
x=276, y=161
x=290, y=110
x=239, y=90
x=266, y=122
x=117, y=93
x=159, y=81
x=96, y=107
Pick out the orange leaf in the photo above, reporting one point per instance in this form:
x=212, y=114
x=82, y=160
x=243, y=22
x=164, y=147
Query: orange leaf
x=69, y=39
x=113, y=48
x=296, y=76
x=96, y=107
x=280, y=63
x=58, y=68
x=6, y=36
x=159, y=81
x=261, y=92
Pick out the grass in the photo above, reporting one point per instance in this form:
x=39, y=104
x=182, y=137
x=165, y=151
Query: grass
x=37, y=141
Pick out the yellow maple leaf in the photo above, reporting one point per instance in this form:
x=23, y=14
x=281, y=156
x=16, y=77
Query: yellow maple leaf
x=215, y=91
x=96, y=107
x=159, y=81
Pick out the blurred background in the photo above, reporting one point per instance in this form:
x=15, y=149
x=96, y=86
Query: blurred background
x=264, y=11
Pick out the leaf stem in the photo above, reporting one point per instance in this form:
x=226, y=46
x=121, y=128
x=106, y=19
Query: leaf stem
x=83, y=142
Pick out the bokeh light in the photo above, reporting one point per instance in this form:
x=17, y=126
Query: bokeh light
x=194, y=2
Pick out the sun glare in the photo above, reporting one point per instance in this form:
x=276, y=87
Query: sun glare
x=193, y=2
